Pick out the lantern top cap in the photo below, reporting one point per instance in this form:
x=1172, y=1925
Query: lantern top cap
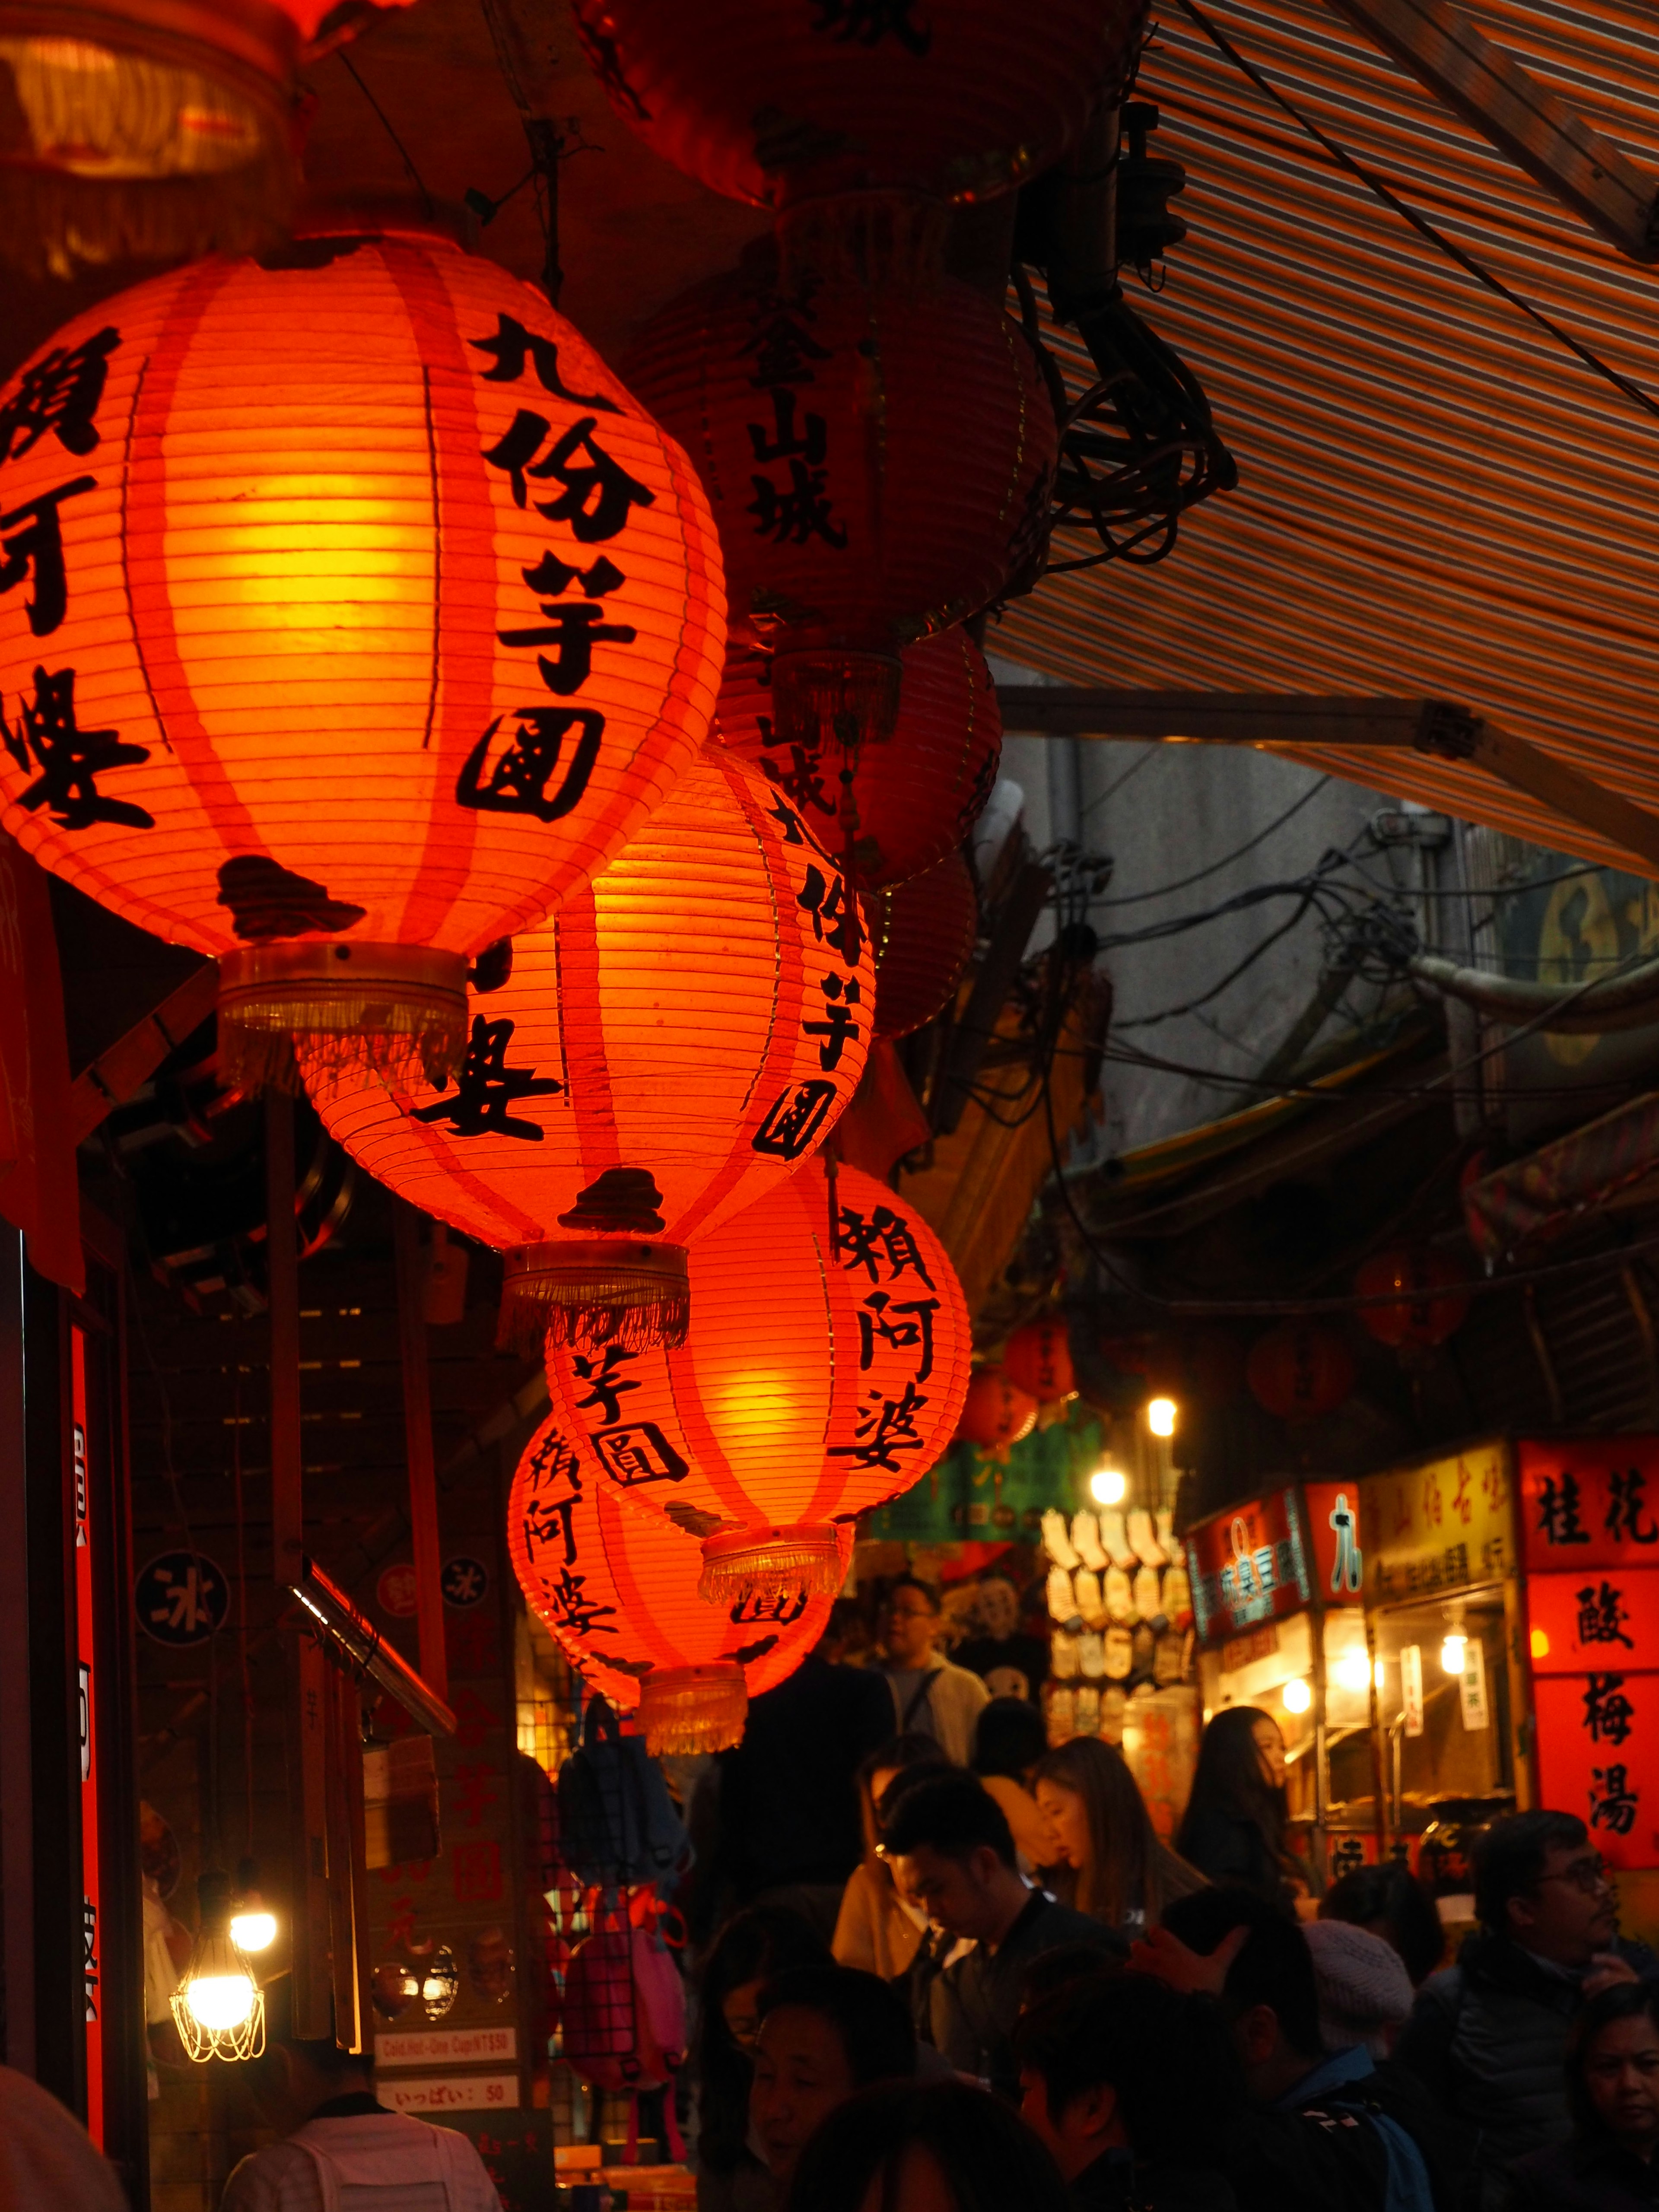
x=386, y=215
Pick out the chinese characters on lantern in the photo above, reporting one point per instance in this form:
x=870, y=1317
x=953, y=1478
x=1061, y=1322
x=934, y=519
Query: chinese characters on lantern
x=792, y=501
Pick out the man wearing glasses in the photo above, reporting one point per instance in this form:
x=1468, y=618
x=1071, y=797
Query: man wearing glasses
x=1488, y=2036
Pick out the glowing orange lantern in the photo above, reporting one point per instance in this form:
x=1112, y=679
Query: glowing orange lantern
x=776, y=103
x=351, y=614
x=672, y=1042
x=1425, y=1315
x=1300, y=1370
x=996, y=1412
x=865, y=496
x=924, y=933
x=1038, y=1359
x=821, y=1375
x=618, y=1589
x=898, y=808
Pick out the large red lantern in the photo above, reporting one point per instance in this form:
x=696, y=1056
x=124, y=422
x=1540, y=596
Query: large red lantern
x=1428, y=1312
x=822, y=1374
x=878, y=451
x=619, y=1590
x=924, y=933
x=777, y=103
x=351, y=615
x=1038, y=1359
x=672, y=1042
x=996, y=1412
x=1300, y=1370
x=898, y=808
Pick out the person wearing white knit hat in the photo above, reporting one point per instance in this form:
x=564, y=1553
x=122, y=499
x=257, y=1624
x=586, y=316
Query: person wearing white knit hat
x=1365, y=1995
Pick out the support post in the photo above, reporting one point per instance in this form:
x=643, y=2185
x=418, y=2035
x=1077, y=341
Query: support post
x=418, y=1445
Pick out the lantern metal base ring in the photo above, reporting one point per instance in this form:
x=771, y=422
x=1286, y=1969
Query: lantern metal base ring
x=629, y=1290
x=781, y=1566
x=397, y=1011
x=685, y=1709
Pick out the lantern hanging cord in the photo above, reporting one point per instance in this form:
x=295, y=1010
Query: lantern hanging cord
x=404, y=153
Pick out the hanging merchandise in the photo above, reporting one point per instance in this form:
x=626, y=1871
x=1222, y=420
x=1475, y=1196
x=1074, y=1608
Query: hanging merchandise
x=898, y=808
x=776, y=105
x=878, y=449
x=151, y=129
x=673, y=1042
x=617, y=1588
x=822, y=1374
x=996, y=1412
x=1300, y=1370
x=353, y=615
x=1428, y=1312
x=924, y=932
x=1038, y=1359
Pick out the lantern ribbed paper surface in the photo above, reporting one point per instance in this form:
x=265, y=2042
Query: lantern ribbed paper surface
x=905, y=804
x=879, y=456
x=924, y=932
x=817, y=1380
x=769, y=103
x=351, y=615
x=1038, y=1359
x=675, y=1040
x=996, y=1412
x=619, y=1590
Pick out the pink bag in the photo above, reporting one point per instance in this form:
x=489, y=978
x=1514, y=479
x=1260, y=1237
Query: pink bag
x=624, y=2016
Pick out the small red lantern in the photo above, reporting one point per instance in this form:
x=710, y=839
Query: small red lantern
x=1038, y=1359
x=923, y=935
x=1300, y=1370
x=997, y=1413
x=898, y=808
x=1425, y=1315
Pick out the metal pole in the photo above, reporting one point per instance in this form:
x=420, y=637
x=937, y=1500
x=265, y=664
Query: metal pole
x=417, y=1444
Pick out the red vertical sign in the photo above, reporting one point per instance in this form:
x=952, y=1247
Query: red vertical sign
x=83, y=1651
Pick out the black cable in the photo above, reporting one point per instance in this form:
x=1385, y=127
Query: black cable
x=1138, y=898
x=1170, y=1013
x=386, y=121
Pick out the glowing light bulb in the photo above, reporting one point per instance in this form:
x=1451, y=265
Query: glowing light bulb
x=219, y=2001
x=1541, y=1643
x=1296, y=1696
x=1108, y=1485
x=1381, y=1675
x=1352, y=1671
x=1161, y=1415
x=1452, y=1653
x=253, y=1929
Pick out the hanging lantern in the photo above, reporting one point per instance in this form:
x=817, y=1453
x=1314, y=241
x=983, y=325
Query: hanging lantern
x=618, y=1590
x=996, y=1412
x=774, y=105
x=1300, y=1370
x=351, y=615
x=1038, y=1359
x=149, y=128
x=897, y=808
x=877, y=452
x=672, y=1044
x=923, y=934
x=1426, y=1315
x=821, y=1375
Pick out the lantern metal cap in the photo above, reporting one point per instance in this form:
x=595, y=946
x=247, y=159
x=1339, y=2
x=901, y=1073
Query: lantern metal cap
x=783, y=1565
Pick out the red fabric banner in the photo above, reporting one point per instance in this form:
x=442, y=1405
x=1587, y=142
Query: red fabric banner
x=39, y=1191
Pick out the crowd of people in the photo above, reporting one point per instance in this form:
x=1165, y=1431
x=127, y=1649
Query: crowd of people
x=1017, y=1995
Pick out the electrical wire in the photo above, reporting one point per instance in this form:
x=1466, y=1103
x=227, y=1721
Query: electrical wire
x=1138, y=898
x=404, y=154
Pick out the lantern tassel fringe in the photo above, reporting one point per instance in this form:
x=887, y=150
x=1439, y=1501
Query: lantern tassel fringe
x=687, y=1710
x=588, y=1292
x=402, y=1043
x=772, y=1566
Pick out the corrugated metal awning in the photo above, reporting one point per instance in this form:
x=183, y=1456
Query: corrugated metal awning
x=1435, y=497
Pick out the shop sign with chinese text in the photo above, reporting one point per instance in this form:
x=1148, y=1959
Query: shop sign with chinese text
x=1339, y=1561
x=1598, y=1756
x=1590, y=1504
x=1444, y=1527
x=1248, y=1566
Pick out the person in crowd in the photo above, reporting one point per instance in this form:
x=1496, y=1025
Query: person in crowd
x=1066, y=1963
x=1325, y=2131
x=339, y=2144
x=1392, y=1903
x=876, y=1929
x=750, y=1952
x=1608, y=2163
x=825, y=2033
x=788, y=1822
x=930, y=1696
x=1233, y=1830
x=946, y=2147
x=1136, y=2091
x=1116, y=1867
x=1364, y=1992
x=1488, y=2036
x=952, y=1853
x=1009, y=1739
x=48, y=2162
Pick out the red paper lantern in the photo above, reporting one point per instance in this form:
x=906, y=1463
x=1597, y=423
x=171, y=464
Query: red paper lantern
x=924, y=933
x=878, y=453
x=896, y=808
x=997, y=1413
x=1038, y=1359
x=775, y=104
x=384, y=617
x=672, y=1043
x=1300, y=1370
x=817, y=1380
x=1426, y=1316
x=619, y=1590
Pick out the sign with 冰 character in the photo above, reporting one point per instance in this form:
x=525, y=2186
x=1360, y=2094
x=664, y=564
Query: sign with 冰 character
x=1598, y=1756
x=1444, y=1526
x=1599, y=1618
x=1248, y=1566
x=1594, y=1503
x=182, y=1598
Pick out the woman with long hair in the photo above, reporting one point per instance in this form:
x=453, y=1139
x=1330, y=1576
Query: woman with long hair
x=1234, y=1827
x=875, y=1928
x=1116, y=1866
x=747, y=1952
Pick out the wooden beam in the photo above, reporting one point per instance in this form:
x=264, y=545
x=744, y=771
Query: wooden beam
x=120, y=1072
x=1532, y=127
x=418, y=1446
